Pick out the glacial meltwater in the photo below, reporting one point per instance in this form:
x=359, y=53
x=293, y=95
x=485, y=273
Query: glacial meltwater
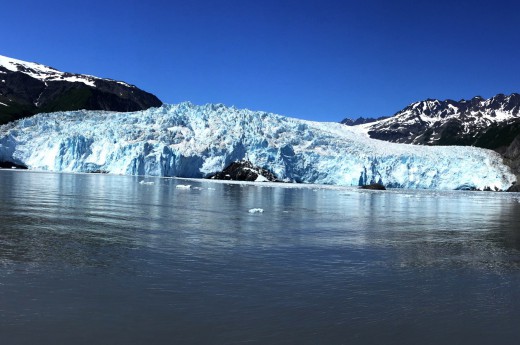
x=104, y=259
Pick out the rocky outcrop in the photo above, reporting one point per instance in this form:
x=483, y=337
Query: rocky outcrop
x=11, y=165
x=245, y=171
x=512, y=157
x=514, y=188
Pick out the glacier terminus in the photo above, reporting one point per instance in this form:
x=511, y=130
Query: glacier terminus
x=186, y=140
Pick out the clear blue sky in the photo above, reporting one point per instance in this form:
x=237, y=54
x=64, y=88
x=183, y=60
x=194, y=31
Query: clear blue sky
x=320, y=60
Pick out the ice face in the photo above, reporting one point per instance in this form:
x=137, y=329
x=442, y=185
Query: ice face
x=186, y=140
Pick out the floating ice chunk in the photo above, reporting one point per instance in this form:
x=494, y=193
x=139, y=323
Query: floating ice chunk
x=256, y=210
x=146, y=182
x=183, y=186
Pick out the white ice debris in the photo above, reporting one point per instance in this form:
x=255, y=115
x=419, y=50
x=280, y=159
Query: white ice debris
x=191, y=141
x=146, y=182
x=183, y=186
x=256, y=210
x=261, y=178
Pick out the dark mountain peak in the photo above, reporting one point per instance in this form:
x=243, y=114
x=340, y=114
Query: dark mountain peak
x=27, y=88
x=348, y=121
x=361, y=120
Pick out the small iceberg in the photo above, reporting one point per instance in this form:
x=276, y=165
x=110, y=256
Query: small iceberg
x=256, y=210
x=147, y=183
x=183, y=186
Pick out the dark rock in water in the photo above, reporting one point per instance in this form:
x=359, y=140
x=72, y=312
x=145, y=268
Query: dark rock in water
x=373, y=186
x=11, y=165
x=514, y=188
x=244, y=171
x=98, y=171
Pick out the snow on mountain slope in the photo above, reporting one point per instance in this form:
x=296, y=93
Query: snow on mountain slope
x=46, y=73
x=197, y=141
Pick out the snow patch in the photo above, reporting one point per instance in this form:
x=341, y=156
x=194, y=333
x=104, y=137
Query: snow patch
x=261, y=178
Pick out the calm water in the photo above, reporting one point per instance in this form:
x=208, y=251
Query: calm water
x=98, y=259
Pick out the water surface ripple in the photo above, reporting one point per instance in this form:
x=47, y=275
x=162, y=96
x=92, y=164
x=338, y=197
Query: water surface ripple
x=102, y=259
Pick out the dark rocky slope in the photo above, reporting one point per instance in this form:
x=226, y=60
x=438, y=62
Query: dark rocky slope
x=28, y=88
x=245, y=171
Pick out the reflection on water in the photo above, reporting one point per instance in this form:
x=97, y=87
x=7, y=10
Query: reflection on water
x=104, y=259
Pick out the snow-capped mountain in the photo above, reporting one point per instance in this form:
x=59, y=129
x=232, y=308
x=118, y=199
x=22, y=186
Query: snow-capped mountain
x=490, y=123
x=27, y=88
x=198, y=141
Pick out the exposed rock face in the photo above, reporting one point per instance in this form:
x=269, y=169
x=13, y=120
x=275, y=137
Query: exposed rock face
x=11, y=165
x=512, y=156
x=28, y=88
x=514, y=188
x=245, y=171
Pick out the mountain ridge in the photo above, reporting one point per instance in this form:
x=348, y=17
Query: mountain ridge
x=448, y=122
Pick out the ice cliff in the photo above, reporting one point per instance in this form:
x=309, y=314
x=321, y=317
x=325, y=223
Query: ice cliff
x=186, y=140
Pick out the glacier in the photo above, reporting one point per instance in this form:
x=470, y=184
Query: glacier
x=187, y=140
